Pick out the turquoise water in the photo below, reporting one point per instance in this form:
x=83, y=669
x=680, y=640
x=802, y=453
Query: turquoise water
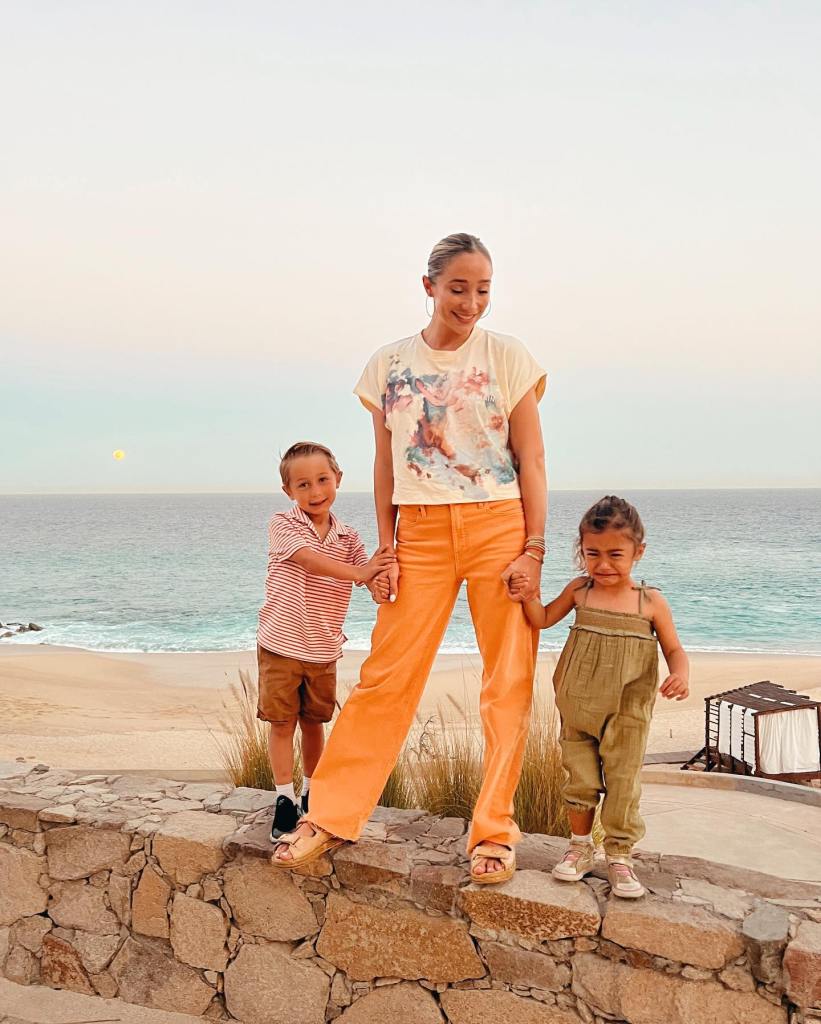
x=741, y=569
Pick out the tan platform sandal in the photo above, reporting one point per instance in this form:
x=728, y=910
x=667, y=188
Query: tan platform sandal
x=623, y=880
x=492, y=851
x=305, y=848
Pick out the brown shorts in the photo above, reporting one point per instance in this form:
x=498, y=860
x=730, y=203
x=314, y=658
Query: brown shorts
x=289, y=688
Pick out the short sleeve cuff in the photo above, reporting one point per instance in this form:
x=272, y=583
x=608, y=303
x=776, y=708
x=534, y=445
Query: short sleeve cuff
x=536, y=380
x=285, y=542
x=371, y=401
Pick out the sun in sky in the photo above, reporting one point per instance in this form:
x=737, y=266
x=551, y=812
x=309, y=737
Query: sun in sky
x=118, y=454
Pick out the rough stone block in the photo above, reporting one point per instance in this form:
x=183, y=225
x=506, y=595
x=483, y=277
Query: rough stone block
x=265, y=984
x=145, y=976
x=756, y=882
x=198, y=933
x=675, y=931
x=436, y=886
x=252, y=839
x=104, y=985
x=246, y=800
x=371, y=864
x=765, y=933
x=370, y=942
x=119, y=896
x=21, y=967
x=79, y=851
x=265, y=902
x=521, y=967
x=80, y=905
x=149, y=908
x=20, y=892
x=61, y=967
x=20, y=811
x=96, y=951
x=30, y=932
x=64, y=814
x=728, y=902
x=500, y=1007
x=189, y=844
x=534, y=906
x=651, y=997
x=394, y=1004
x=802, y=965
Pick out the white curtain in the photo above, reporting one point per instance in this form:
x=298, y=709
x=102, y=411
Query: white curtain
x=789, y=742
x=729, y=739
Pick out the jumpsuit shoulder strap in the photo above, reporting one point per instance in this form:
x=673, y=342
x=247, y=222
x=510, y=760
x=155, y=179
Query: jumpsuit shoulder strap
x=586, y=588
x=642, y=589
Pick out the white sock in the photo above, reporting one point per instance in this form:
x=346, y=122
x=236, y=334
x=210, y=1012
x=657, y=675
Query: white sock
x=581, y=839
x=287, y=789
x=306, y=784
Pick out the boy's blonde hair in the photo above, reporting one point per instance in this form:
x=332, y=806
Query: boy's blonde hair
x=301, y=448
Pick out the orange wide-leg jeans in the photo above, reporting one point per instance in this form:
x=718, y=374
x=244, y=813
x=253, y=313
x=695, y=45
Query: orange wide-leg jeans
x=438, y=546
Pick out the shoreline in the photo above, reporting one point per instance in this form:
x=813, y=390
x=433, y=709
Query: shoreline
x=77, y=708
x=456, y=652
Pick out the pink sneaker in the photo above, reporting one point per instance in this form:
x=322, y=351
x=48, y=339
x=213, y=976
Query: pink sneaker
x=623, y=881
x=576, y=863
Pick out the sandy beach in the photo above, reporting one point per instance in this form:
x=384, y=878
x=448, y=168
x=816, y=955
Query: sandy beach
x=85, y=709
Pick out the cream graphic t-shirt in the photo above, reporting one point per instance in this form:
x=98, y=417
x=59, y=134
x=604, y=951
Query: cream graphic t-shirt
x=448, y=415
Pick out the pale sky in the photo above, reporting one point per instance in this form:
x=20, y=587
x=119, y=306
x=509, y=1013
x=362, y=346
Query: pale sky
x=212, y=213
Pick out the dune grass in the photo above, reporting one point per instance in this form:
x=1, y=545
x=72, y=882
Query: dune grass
x=244, y=750
x=439, y=768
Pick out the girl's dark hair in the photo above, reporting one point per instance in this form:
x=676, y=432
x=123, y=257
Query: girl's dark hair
x=609, y=513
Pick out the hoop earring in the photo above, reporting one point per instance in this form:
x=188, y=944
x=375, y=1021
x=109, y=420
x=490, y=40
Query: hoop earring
x=429, y=313
x=487, y=312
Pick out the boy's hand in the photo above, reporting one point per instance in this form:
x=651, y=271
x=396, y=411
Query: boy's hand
x=675, y=686
x=379, y=588
x=382, y=559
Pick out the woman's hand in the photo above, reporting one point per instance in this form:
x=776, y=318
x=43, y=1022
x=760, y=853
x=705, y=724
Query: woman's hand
x=393, y=581
x=527, y=589
x=381, y=560
x=379, y=588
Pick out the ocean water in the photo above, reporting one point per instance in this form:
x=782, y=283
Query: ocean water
x=164, y=572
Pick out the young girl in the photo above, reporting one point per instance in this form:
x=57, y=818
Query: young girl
x=606, y=682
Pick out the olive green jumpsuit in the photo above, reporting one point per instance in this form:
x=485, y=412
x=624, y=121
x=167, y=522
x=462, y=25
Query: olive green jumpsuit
x=606, y=682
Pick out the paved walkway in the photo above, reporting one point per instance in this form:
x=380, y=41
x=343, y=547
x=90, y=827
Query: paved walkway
x=38, y=1005
x=742, y=829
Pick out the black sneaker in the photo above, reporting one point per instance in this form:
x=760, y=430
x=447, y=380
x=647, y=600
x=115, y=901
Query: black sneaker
x=303, y=801
x=286, y=816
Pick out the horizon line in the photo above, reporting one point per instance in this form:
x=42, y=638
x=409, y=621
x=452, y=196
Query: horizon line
x=560, y=490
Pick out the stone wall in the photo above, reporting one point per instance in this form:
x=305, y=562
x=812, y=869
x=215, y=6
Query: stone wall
x=162, y=893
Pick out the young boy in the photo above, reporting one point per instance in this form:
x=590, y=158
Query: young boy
x=313, y=560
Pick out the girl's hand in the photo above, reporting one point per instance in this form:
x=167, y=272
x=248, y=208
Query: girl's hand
x=675, y=686
x=528, y=567
x=518, y=584
x=379, y=588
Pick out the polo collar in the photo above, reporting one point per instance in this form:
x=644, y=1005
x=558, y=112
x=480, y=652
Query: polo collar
x=336, y=531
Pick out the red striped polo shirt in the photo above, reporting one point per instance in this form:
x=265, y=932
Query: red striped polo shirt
x=303, y=614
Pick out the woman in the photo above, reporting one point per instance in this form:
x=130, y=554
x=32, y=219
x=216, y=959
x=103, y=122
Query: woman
x=459, y=451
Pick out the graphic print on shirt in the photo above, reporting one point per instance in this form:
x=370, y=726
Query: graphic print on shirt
x=460, y=435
